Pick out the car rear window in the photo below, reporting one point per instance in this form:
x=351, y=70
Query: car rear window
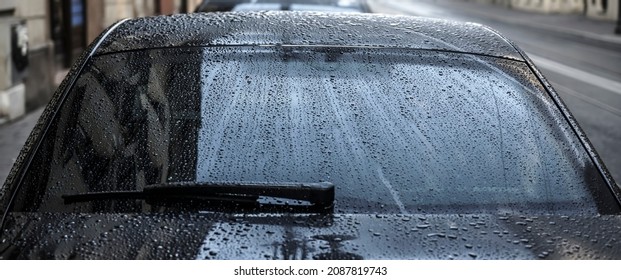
x=397, y=131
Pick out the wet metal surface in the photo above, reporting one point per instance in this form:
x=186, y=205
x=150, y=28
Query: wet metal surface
x=217, y=236
x=292, y=28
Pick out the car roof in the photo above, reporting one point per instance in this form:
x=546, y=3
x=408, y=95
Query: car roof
x=308, y=29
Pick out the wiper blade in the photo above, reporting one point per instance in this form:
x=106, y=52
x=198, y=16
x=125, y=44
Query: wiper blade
x=319, y=194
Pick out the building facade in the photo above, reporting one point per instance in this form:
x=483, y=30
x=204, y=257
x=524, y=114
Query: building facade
x=50, y=35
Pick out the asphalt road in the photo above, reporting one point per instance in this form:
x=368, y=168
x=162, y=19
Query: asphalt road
x=586, y=73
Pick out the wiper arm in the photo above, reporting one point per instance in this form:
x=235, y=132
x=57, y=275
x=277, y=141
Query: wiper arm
x=319, y=194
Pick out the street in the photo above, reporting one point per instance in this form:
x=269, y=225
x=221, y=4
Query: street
x=583, y=66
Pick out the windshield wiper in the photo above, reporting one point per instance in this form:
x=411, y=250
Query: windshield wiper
x=320, y=195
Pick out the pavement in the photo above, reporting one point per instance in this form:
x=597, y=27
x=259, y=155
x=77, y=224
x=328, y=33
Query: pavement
x=13, y=135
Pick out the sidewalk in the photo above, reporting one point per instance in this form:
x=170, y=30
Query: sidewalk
x=575, y=25
x=13, y=134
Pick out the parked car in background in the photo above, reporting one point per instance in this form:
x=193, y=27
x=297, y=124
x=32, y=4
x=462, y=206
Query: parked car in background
x=357, y=6
x=218, y=5
x=296, y=135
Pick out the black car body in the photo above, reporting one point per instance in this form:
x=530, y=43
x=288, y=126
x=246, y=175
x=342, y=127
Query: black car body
x=283, y=5
x=442, y=140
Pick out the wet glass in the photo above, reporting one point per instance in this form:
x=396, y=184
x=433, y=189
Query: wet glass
x=397, y=131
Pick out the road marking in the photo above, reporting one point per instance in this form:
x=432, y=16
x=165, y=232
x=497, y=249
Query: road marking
x=565, y=90
x=585, y=77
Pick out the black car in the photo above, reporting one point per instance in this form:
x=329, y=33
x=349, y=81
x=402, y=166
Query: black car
x=358, y=6
x=289, y=135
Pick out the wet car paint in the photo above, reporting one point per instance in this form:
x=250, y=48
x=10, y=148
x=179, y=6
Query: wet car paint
x=307, y=29
x=308, y=236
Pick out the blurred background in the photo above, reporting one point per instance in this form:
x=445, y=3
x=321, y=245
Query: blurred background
x=576, y=44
